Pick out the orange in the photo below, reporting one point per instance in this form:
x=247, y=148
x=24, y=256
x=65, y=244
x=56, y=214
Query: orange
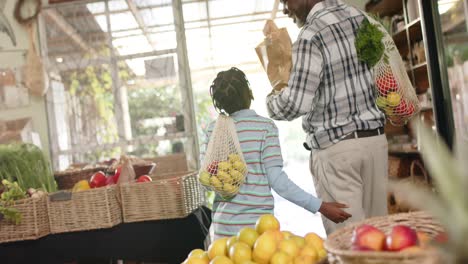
x=240, y=252
x=247, y=235
x=196, y=260
x=287, y=234
x=322, y=253
x=314, y=239
x=276, y=234
x=264, y=248
x=217, y=248
x=281, y=257
x=300, y=241
x=289, y=246
x=196, y=253
x=310, y=251
x=266, y=222
x=304, y=259
x=221, y=260
x=231, y=241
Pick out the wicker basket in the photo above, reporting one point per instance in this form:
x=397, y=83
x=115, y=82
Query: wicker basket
x=85, y=210
x=338, y=244
x=67, y=179
x=166, y=197
x=34, y=221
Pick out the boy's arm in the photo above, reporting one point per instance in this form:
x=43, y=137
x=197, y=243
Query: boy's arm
x=287, y=189
x=273, y=163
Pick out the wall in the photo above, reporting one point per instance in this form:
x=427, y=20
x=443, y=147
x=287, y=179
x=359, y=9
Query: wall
x=37, y=106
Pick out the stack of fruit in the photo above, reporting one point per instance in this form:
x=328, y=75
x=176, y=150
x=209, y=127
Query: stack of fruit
x=262, y=245
x=401, y=238
x=99, y=179
x=224, y=177
x=390, y=100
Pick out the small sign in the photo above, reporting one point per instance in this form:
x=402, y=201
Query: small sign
x=60, y=196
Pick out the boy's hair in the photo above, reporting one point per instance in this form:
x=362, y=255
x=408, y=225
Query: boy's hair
x=230, y=91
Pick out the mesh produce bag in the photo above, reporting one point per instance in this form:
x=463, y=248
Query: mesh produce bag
x=396, y=96
x=223, y=169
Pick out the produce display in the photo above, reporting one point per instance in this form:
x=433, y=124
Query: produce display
x=264, y=244
x=27, y=165
x=11, y=192
x=100, y=179
x=224, y=177
x=400, y=238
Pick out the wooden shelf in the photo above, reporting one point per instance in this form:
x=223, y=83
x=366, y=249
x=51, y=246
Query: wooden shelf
x=400, y=38
x=419, y=67
x=415, y=30
x=385, y=8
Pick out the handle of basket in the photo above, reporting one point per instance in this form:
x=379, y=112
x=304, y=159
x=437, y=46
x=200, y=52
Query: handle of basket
x=415, y=163
x=275, y=9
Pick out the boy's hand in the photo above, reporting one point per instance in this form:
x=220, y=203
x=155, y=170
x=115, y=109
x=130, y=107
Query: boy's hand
x=334, y=211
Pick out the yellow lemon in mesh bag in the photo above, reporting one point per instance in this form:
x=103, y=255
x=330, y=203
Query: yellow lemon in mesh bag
x=229, y=188
x=393, y=99
x=224, y=166
x=204, y=178
x=233, y=158
x=216, y=183
x=381, y=102
x=236, y=176
x=224, y=176
x=240, y=166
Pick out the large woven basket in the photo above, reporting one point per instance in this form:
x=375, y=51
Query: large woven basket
x=166, y=197
x=338, y=244
x=34, y=221
x=84, y=210
x=67, y=179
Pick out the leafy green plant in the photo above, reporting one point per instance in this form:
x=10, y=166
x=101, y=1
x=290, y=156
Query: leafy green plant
x=28, y=165
x=449, y=204
x=369, y=44
x=12, y=192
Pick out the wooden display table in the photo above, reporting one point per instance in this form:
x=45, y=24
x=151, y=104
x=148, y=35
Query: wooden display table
x=163, y=241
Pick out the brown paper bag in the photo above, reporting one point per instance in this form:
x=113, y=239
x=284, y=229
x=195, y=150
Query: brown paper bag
x=275, y=54
x=34, y=76
x=128, y=173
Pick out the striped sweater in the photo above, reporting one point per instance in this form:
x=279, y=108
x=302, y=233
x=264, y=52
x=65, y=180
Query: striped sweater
x=258, y=137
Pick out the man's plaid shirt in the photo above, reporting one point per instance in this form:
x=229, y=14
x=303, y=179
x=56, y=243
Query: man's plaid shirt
x=328, y=86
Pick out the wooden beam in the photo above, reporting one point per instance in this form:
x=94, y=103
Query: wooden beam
x=139, y=19
x=66, y=28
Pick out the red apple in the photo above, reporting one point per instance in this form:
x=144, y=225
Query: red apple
x=441, y=238
x=110, y=180
x=98, y=180
x=367, y=237
x=213, y=168
x=117, y=173
x=410, y=110
x=402, y=108
x=401, y=237
x=144, y=178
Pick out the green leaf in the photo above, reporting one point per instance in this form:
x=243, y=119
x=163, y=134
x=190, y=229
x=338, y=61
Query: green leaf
x=369, y=44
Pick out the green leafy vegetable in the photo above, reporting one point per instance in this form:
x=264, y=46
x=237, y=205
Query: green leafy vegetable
x=26, y=164
x=11, y=214
x=11, y=192
x=368, y=43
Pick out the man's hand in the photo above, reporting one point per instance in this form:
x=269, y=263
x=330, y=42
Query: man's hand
x=334, y=211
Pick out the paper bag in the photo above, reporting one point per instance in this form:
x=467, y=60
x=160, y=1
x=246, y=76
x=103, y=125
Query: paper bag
x=275, y=54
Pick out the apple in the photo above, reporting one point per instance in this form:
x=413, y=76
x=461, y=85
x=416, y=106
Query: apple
x=441, y=238
x=98, y=180
x=144, y=178
x=368, y=237
x=213, y=168
x=402, y=108
x=110, y=180
x=117, y=173
x=423, y=238
x=401, y=237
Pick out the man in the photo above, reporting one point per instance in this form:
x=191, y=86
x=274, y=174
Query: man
x=334, y=93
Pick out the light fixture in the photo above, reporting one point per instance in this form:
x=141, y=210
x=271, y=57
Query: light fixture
x=59, y=59
x=445, y=5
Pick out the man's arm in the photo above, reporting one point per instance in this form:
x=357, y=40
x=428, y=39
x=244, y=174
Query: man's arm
x=306, y=74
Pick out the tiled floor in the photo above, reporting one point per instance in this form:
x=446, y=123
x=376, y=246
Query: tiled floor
x=292, y=217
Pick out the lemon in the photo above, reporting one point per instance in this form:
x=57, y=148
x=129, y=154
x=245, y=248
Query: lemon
x=393, y=99
x=81, y=186
x=229, y=188
x=233, y=158
x=381, y=102
x=224, y=166
x=237, y=176
x=224, y=176
x=204, y=178
x=216, y=183
x=240, y=166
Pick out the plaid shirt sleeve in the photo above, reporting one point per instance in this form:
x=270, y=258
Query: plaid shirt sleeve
x=306, y=75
